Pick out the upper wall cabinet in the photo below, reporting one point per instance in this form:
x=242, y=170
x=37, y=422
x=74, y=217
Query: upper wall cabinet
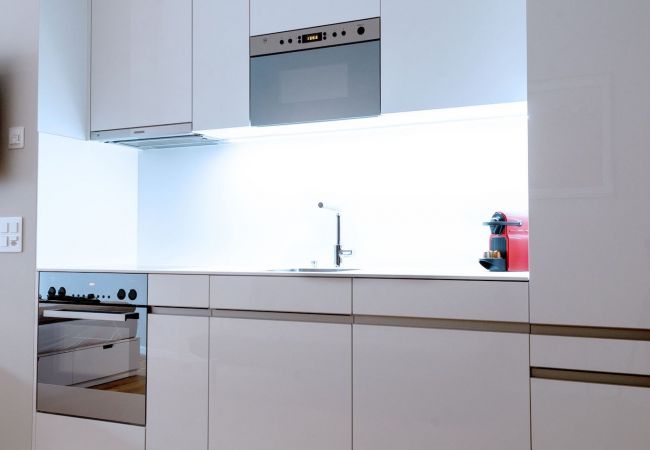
x=221, y=61
x=141, y=64
x=273, y=16
x=443, y=54
x=63, y=61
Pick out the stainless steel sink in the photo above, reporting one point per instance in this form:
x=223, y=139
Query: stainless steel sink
x=312, y=269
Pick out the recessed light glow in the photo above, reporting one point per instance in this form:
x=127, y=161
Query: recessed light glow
x=517, y=109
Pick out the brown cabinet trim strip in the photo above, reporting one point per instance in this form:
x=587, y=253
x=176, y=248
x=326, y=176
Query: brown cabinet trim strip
x=444, y=324
x=630, y=334
x=285, y=316
x=616, y=379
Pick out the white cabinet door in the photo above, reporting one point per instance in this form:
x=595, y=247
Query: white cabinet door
x=55, y=432
x=423, y=389
x=221, y=64
x=588, y=156
x=63, y=61
x=442, y=54
x=277, y=385
x=273, y=16
x=141, y=63
x=177, y=383
x=584, y=416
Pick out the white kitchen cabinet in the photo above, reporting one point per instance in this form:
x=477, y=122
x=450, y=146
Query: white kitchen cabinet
x=63, y=62
x=442, y=54
x=585, y=416
x=505, y=301
x=279, y=385
x=185, y=291
x=141, y=63
x=420, y=389
x=221, y=64
x=588, y=162
x=54, y=432
x=273, y=16
x=177, y=382
x=324, y=295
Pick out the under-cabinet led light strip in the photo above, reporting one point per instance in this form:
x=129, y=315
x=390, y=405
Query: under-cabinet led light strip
x=481, y=112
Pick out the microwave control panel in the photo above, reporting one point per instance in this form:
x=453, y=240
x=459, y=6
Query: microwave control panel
x=316, y=37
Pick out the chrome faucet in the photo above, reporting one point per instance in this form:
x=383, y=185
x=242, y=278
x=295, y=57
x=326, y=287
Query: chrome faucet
x=338, y=250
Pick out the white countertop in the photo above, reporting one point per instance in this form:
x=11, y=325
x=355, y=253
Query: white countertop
x=477, y=274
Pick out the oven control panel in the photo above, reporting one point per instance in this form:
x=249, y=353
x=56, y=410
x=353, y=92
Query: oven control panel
x=315, y=37
x=91, y=287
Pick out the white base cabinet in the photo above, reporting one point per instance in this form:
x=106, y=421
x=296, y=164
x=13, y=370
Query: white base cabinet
x=423, y=389
x=584, y=416
x=70, y=433
x=177, y=383
x=279, y=385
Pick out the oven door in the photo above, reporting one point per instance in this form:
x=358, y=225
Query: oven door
x=312, y=85
x=92, y=361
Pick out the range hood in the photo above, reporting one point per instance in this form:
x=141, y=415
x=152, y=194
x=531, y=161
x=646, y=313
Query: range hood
x=156, y=137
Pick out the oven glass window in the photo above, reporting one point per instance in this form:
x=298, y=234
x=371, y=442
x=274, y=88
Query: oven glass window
x=92, y=362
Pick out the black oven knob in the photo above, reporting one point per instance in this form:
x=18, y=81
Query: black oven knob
x=361, y=30
x=133, y=294
x=90, y=296
x=51, y=291
x=121, y=294
x=62, y=292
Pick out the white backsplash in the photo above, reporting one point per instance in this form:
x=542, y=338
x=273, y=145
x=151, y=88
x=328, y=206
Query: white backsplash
x=410, y=197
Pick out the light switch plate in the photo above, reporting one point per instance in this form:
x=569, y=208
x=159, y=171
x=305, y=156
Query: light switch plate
x=11, y=234
x=16, y=137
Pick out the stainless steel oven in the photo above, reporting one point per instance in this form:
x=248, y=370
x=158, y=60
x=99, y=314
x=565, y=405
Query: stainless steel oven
x=314, y=74
x=92, y=346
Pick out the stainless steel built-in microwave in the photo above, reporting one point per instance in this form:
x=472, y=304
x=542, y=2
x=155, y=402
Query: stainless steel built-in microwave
x=314, y=74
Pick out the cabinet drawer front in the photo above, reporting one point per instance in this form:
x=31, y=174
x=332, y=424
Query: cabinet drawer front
x=584, y=416
x=184, y=291
x=53, y=432
x=276, y=293
x=597, y=355
x=463, y=300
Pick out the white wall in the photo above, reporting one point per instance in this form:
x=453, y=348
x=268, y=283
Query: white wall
x=87, y=204
x=411, y=197
x=18, y=92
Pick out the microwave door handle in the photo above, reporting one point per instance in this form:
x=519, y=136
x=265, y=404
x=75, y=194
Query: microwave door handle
x=90, y=315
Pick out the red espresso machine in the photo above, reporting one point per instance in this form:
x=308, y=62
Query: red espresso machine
x=508, y=243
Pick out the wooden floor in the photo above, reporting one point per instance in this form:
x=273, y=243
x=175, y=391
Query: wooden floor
x=136, y=384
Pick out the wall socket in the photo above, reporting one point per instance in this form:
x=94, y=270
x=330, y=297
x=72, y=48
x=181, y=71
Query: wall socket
x=11, y=234
x=16, y=138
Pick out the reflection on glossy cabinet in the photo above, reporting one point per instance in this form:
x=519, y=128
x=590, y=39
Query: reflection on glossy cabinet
x=141, y=63
x=177, y=383
x=586, y=416
x=278, y=385
x=443, y=54
x=423, y=389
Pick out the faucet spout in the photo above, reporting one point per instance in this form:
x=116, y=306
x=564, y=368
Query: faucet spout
x=338, y=250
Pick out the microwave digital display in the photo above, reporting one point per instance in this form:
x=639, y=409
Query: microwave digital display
x=313, y=37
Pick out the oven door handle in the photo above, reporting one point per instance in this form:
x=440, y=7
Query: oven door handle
x=90, y=315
